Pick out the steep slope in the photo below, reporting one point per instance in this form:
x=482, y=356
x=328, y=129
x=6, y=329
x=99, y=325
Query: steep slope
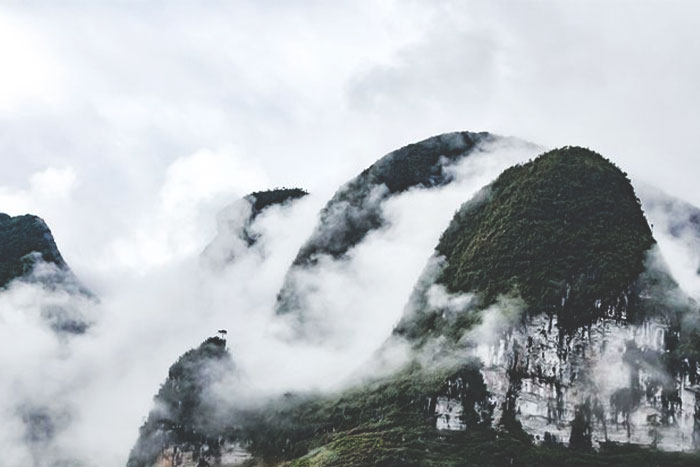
x=235, y=223
x=564, y=226
x=24, y=241
x=184, y=425
x=356, y=209
x=604, y=344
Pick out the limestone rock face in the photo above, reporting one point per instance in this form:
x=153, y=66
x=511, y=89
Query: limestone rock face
x=607, y=369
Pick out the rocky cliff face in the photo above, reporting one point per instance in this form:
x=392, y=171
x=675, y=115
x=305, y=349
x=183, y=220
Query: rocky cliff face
x=226, y=455
x=604, y=371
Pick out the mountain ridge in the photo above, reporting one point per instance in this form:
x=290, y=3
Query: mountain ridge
x=21, y=236
x=518, y=393
x=356, y=209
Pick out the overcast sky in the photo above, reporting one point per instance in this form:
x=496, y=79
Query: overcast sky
x=128, y=124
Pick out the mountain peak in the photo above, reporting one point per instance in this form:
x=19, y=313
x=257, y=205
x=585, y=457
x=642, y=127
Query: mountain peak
x=565, y=232
x=185, y=409
x=20, y=236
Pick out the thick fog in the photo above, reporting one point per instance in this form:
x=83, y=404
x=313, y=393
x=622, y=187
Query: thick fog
x=95, y=389
x=129, y=126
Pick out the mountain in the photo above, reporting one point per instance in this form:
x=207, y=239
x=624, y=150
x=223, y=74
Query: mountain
x=28, y=253
x=356, y=209
x=24, y=242
x=29, y=257
x=604, y=345
x=183, y=425
x=545, y=330
x=236, y=231
x=566, y=228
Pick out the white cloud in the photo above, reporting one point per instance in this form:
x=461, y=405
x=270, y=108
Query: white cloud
x=30, y=74
x=206, y=174
x=48, y=189
x=181, y=220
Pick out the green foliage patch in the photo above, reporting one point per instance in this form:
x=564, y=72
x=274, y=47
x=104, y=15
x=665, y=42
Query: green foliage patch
x=561, y=231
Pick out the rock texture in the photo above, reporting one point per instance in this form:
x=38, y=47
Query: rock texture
x=596, y=343
x=226, y=455
x=606, y=369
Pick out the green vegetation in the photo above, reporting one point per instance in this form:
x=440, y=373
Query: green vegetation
x=397, y=405
x=389, y=422
x=561, y=231
x=19, y=237
x=478, y=448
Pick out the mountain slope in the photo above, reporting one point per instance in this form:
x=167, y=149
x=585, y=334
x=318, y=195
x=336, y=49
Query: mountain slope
x=356, y=209
x=25, y=240
x=564, y=227
x=551, y=276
